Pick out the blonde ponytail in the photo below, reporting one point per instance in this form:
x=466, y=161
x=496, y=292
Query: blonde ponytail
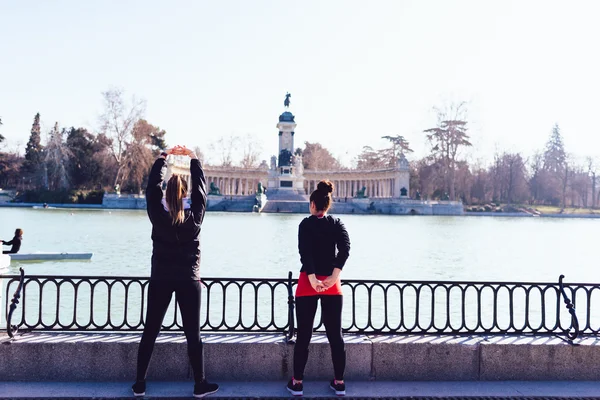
x=176, y=191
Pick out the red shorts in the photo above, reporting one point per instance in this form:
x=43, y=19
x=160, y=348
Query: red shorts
x=304, y=287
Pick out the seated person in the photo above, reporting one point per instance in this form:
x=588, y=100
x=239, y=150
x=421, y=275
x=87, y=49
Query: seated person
x=15, y=242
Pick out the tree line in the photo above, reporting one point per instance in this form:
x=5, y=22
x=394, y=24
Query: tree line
x=77, y=161
x=121, y=152
x=549, y=177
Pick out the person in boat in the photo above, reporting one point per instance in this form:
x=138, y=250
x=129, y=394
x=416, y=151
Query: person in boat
x=175, y=263
x=15, y=242
x=319, y=236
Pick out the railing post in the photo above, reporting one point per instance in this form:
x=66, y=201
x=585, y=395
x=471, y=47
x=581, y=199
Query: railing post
x=11, y=329
x=573, y=330
x=291, y=303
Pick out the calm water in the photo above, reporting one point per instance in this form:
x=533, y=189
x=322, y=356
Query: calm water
x=383, y=247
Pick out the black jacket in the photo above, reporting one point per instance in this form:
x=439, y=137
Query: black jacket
x=15, y=243
x=318, y=239
x=175, y=248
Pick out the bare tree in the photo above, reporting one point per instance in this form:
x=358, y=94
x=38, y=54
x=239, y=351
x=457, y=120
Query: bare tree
x=57, y=159
x=565, y=179
x=117, y=123
x=224, y=148
x=251, y=149
x=370, y=158
x=593, y=171
x=1, y=137
x=199, y=154
x=580, y=186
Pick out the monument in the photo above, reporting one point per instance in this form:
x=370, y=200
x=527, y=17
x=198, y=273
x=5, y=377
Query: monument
x=284, y=184
x=286, y=172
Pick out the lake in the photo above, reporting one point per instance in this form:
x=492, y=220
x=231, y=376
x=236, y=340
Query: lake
x=265, y=245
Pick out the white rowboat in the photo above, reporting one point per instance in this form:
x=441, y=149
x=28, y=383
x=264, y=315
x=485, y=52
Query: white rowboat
x=50, y=256
x=4, y=261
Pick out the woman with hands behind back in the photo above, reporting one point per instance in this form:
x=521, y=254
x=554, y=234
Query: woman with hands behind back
x=318, y=238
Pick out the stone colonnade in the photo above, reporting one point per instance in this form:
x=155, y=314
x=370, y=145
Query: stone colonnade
x=234, y=181
x=377, y=184
x=230, y=181
x=231, y=185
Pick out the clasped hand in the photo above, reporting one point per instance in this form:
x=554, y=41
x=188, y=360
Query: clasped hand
x=180, y=151
x=322, y=285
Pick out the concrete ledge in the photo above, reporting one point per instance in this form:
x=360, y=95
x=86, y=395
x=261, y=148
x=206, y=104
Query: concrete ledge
x=425, y=358
x=99, y=357
x=539, y=358
x=265, y=357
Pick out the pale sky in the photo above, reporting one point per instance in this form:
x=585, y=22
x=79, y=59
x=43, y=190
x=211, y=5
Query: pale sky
x=357, y=70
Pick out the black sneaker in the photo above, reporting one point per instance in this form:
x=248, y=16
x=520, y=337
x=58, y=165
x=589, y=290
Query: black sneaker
x=338, y=388
x=204, y=389
x=295, y=388
x=139, y=389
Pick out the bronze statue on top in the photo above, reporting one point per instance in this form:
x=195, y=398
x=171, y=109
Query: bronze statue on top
x=286, y=102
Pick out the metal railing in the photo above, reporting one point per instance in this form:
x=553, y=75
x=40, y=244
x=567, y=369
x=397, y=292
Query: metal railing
x=100, y=303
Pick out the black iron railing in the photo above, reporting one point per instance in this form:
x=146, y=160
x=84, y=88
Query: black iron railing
x=95, y=303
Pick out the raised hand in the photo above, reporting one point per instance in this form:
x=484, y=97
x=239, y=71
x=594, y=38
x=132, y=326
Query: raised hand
x=177, y=150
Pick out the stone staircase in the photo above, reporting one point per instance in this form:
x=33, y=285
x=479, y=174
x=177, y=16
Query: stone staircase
x=286, y=206
x=236, y=204
x=286, y=195
x=286, y=201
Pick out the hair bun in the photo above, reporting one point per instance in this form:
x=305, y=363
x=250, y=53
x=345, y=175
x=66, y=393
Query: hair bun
x=325, y=187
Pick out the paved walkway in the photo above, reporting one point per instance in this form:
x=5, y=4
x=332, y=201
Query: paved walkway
x=319, y=389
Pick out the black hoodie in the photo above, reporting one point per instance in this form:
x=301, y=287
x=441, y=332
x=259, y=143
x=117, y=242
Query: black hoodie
x=175, y=248
x=16, y=244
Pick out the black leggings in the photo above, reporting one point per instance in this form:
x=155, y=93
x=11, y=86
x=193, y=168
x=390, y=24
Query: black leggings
x=306, y=308
x=9, y=252
x=187, y=295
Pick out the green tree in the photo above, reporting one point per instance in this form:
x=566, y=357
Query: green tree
x=554, y=167
x=34, y=153
x=147, y=141
x=318, y=158
x=400, y=146
x=84, y=168
x=554, y=154
x=446, y=139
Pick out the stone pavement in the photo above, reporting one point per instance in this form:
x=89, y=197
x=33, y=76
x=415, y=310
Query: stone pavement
x=315, y=389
